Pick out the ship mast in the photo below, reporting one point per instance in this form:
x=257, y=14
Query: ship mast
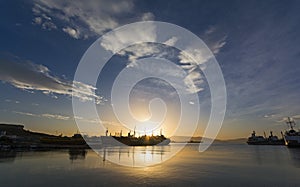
x=290, y=123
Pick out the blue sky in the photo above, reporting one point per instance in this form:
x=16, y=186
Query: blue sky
x=255, y=43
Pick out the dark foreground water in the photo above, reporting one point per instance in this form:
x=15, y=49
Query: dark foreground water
x=222, y=165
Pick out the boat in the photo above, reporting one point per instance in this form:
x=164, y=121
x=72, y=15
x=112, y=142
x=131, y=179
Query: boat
x=132, y=140
x=291, y=136
x=194, y=141
x=263, y=140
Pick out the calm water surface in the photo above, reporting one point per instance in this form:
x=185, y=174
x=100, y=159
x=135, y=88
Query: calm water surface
x=222, y=165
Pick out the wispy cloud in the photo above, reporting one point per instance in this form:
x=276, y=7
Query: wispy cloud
x=193, y=63
x=56, y=116
x=45, y=22
x=83, y=19
x=115, y=41
x=68, y=117
x=72, y=32
x=296, y=116
x=49, y=116
x=194, y=82
x=30, y=76
x=11, y=101
x=194, y=59
x=26, y=113
x=280, y=118
x=212, y=39
x=261, y=66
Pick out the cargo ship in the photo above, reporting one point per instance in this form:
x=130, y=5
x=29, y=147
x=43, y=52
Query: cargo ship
x=263, y=140
x=132, y=140
x=291, y=136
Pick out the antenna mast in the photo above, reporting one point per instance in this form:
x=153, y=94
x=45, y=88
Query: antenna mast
x=290, y=123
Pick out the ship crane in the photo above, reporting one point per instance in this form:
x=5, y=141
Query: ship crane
x=291, y=123
x=292, y=137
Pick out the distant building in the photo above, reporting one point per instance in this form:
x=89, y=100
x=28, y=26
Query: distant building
x=11, y=131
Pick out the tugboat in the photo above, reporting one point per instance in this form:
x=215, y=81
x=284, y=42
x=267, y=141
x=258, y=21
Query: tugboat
x=132, y=140
x=292, y=137
x=260, y=140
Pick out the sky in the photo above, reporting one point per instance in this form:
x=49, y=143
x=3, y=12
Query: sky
x=254, y=42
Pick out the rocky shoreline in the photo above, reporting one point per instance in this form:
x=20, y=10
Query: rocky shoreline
x=16, y=137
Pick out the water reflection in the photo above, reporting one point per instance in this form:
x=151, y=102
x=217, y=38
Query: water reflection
x=258, y=155
x=263, y=154
x=7, y=156
x=12, y=155
x=135, y=156
x=242, y=164
x=75, y=154
x=295, y=156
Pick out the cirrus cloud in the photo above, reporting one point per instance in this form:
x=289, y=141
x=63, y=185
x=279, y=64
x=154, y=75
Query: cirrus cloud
x=30, y=76
x=192, y=59
x=83, y=19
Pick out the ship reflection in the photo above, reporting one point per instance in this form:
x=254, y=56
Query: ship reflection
x=8, y=156
x=295, y=156
x=135, y=156
x=75, y=154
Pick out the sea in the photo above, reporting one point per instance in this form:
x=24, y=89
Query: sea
x=223, y=164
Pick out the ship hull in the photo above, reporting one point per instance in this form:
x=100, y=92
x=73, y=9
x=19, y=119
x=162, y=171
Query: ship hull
x=260, y=140
x=266, y=143
x=110, y=141
x=132, y=141
x=293, y=144
x=292, y=141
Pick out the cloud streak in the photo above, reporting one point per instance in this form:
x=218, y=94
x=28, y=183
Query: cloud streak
x=55, y=116
x=67, y=117
x=84, y=19
x=34, y=77
x=49, y=116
